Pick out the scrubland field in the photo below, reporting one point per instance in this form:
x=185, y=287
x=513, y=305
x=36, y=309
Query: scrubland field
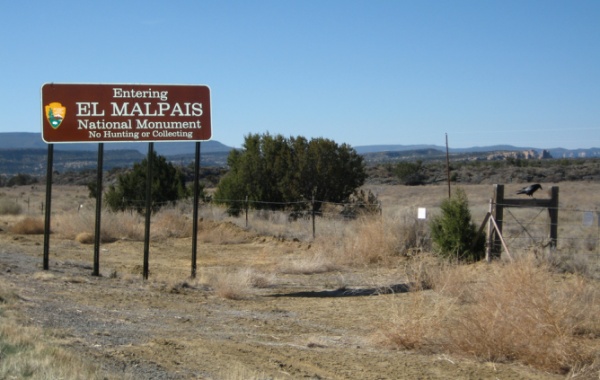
x=364, y=299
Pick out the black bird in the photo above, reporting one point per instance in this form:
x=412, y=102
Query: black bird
x=529, y=190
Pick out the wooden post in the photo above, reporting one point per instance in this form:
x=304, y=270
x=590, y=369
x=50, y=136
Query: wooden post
x=488, y=248
x=553, y=213
x=598, y=242
x=502, y=202
x=246, y=209
x=498, y=216
x=313, y=216
x=448, y=166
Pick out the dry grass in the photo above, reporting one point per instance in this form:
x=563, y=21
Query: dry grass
x=366, y=241
x=236, y=371
x=170, y=223
x=222, y=233
x=236, y=285
x=318, y=261
x=167, y=223
x=29, y=226
x=522, y=312
x=81, y=226
x=27, y=352
x=9, y=207
x=503, y=313
x=85, y=238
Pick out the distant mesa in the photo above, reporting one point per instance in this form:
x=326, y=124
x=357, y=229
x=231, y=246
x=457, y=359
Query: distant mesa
x=30, y=140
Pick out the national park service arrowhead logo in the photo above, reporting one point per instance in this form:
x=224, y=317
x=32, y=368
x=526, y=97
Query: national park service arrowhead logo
x=55, y=113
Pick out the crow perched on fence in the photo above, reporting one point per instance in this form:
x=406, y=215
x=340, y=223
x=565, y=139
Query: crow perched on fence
x=529, y=190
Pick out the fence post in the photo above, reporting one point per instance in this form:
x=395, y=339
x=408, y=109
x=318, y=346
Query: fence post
x=498, y=214
x=313, y=216
x=553, y=213
x=550, y=204
x=598, y=241
x=246, y=209
x=488, y=248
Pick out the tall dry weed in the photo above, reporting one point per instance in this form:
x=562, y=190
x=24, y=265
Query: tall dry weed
x=520, y=312
x=170, y=223
x=364, y=241
x=317, y=261
x=29, y=226
x=222, y=233
x=417, y=321
x=9, y=207
x=237, y=284
x=413, y=236
x=113, y=226
x=423, y=271
x=375, y=240
x=502, y=313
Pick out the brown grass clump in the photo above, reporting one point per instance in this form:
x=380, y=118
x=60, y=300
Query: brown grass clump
x=503, y=313
x=371, y=243
x=81, y=226
x=222, y=233
x=524, y=314
x=236, y=285
x=29, y=226
x=315, y=262
x=85, y=238
x=9, y=207
x=170, y=223
x=413, y=236
x=365, y=241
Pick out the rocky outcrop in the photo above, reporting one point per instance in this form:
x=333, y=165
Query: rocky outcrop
x=522, y=155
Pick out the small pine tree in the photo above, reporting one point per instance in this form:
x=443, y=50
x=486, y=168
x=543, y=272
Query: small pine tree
x=453, y=233
x=168, y=186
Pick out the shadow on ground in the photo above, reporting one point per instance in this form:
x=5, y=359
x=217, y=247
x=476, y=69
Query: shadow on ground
x=347, y=292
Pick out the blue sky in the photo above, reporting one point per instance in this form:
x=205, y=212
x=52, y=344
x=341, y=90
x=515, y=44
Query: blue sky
x=525, y=73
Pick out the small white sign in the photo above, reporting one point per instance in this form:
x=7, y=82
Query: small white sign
x=588, y=218
x=422, y=213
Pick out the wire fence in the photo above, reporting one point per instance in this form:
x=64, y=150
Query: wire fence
x=294, y=209
x=525, y=228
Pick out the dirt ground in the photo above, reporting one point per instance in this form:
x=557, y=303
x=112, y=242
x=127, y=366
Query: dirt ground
x=172, y=327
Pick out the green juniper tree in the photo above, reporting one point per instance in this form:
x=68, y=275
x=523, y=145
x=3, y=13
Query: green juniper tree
x=274, y=172
x=129, y=193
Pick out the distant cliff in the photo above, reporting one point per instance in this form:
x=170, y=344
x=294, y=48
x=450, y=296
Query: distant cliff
x=520, y=155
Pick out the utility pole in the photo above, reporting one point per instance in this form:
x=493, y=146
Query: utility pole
x=448, y=166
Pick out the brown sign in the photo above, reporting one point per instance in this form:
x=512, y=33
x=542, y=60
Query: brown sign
x=97, y=113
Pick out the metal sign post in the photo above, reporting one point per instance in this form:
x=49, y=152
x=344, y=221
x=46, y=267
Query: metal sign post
x=48, y=208
x=99, y=171
x=195, y=212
